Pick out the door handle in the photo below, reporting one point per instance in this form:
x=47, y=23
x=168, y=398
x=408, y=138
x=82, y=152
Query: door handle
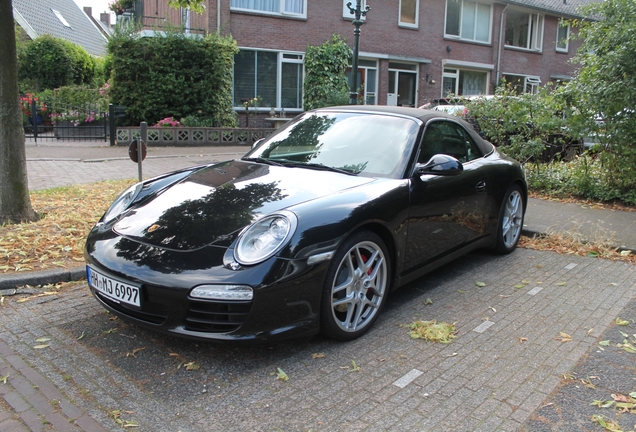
x=481, y=187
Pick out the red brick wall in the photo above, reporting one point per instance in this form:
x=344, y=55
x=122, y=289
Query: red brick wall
x=382, y=35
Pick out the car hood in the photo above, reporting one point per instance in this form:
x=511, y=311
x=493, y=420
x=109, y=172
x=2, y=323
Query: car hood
x=215, y=202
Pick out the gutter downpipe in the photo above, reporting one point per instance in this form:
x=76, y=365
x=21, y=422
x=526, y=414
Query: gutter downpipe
x=501, y=20
x=218, y=17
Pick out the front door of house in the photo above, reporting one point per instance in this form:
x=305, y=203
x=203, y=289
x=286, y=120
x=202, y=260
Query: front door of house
x=402, y=84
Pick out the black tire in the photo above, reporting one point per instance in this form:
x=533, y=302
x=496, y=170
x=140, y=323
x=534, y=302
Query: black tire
x=510, y=221
x=356, y=287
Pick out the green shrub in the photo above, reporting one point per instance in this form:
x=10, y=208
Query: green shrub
x=48, y=62
x=172, y=76
x=325, y=74
x=586, y=176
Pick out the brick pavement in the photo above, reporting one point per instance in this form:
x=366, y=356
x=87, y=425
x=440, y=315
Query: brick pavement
x=504, y=365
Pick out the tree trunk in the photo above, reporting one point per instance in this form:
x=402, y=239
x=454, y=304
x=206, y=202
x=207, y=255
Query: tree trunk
x=15, y=202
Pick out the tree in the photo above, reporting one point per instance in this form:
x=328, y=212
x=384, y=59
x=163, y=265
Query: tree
x=15, y=202
x=603, y=92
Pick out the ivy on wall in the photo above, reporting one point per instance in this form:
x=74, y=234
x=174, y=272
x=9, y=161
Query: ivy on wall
x=173, y=75
x=325, y=73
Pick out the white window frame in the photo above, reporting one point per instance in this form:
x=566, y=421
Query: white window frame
x=456, y=71
x=536, y=27
x=530, y=83
x=461, y=17
x=417, y=16
x=563, y=41
x=366, y=67
x=282, y=57
x=346, y=13
x=282, y=11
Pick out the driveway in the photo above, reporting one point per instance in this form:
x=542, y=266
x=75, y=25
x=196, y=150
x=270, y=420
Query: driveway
x=505, y=367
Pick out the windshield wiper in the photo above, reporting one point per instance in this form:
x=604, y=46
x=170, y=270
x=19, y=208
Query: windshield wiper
x=262, y=160
x=315, y=165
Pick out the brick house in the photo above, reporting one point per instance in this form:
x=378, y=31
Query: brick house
x=411, y=51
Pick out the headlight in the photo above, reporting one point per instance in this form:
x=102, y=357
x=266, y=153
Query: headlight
x=122, y=202
x=265, y=237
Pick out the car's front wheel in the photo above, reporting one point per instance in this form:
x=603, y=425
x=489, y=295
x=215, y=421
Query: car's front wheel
x=510, y=220
x=356, y=287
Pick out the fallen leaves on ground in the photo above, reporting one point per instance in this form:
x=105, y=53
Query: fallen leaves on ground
x=68, y=213
x=569, y=243
x=57, y=239
x=563, y=337
x=432, y=331
x=281, y=375
x=607, y=424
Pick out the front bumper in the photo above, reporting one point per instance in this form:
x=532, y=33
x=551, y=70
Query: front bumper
x=285, y=304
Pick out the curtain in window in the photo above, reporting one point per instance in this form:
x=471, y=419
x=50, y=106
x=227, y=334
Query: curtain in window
x=453, y=11
x=472, y=83
x=408, y=8
x=482, y=32
x=260, y=5
x=294, y=6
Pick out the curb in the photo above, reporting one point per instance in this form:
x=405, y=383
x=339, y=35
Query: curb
x=45, y=277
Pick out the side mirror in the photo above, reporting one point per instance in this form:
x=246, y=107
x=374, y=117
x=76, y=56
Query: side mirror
x=440, y=165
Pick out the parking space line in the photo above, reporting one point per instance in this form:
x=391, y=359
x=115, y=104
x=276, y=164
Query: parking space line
x=408, y=378
x=483, y=326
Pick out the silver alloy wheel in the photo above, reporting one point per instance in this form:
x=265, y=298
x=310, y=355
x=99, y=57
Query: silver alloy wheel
x=512, y=219
x=359, y=286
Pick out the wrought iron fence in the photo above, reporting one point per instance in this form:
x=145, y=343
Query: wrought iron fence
x=52, y=120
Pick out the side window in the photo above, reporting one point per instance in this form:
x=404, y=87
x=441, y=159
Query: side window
x=448, y=138
x=431, y=143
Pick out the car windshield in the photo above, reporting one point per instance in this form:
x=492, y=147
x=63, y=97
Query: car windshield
x=368, y=144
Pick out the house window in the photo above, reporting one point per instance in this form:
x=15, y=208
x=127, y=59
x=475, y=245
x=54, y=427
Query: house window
x=522, y=83
x=461, y=82
x=280, y=7
x=563, y=37
x=409, y=12
x=468, y=20
x=524, y=30
x=346, y=13
x=367, y=80
x=276, y=78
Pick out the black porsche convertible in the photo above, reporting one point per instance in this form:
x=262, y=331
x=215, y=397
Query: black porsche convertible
x=309, y=231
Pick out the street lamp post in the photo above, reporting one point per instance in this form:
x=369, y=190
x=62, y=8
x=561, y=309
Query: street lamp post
x=358, y=12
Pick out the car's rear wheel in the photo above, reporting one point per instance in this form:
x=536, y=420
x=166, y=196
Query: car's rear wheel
x=356, y=287
x=510, y=220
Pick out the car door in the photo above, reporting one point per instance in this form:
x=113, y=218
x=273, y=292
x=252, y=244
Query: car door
x=446, y=212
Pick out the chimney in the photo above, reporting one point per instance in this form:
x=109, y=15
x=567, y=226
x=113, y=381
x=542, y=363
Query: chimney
x=88, y=11
x=105, y=18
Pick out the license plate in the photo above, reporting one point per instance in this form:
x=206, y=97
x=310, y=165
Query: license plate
x=121, y=292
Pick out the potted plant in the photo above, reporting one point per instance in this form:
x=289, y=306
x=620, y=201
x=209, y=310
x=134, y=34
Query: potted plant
x=121, y=6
